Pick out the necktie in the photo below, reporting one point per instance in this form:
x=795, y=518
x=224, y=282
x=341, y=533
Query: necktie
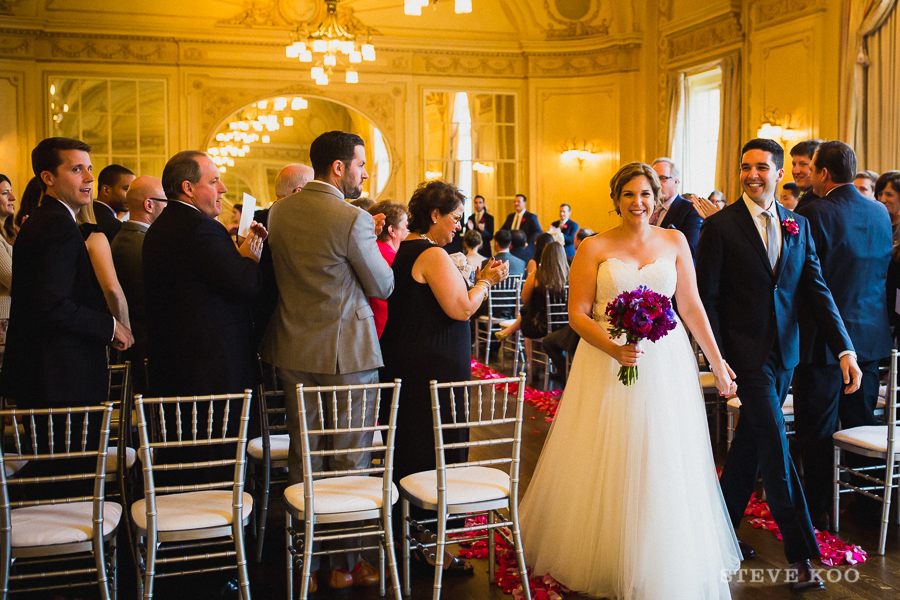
x=517, y=222
x=654, y=218
x=771, y=239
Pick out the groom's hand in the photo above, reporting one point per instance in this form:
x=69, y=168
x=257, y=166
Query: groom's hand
x=852, y=373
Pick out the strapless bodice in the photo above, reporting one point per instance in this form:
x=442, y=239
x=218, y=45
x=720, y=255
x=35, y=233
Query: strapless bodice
x=615, y=277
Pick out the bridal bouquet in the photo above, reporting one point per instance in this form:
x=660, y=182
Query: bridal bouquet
x=638, y=315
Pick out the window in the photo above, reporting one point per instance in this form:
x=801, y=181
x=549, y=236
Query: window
x=470, y=141
x=696, y=142
x=123, y=120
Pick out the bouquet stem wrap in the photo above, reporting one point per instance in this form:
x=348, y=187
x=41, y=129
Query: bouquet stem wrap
x=638, y=315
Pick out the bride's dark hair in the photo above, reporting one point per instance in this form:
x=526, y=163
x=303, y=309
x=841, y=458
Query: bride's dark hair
x=628, y=172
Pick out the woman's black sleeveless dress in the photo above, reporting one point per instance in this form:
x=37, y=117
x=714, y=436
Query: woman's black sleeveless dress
x=420, y=343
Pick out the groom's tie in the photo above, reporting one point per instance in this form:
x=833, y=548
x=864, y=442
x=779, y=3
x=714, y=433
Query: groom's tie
x=771, y=239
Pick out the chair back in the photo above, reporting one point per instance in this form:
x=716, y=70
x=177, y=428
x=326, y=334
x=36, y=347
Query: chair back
x=491, y=409
x=79, y=436
x=332, y=401
x=505, y=297
x=119, y=393
x=272, y=416
x=201, y=429
x=890, y=408
x=557, y=309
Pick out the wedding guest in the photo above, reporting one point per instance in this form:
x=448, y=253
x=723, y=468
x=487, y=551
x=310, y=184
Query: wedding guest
x=502, y=243
x=472, y=241
x=717, y=198
x=675, y=211
x=59, y=327
x=801, y=169
x=483, y=222
x=30, y=199
x=865, y=183
x=101, y=258
x=519, y=247
x=427, y=333
x=7, y=239
x=887, y=191
x=395, y=230
x=752, y=286
x=624, y=489
x=539, y=244
x=853, y=242
x=566, y=229
x=790, y=194
x=112, y=185
x=522, y=220
x=363, y=203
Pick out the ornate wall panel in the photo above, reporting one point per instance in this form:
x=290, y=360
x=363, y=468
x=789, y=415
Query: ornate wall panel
x=14, y=151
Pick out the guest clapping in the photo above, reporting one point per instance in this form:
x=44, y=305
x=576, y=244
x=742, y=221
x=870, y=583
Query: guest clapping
x=394, y=231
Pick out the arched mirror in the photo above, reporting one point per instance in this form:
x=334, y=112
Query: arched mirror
x=253, y=144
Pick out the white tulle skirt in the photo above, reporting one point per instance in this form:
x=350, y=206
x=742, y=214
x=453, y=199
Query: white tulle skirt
x=624, y=502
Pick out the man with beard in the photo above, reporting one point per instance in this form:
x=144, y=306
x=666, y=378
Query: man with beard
x=322, y=332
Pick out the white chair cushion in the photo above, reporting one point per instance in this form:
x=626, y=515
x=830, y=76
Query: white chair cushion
x=707, y=379
x=787, y=408
x=464, y=485
x=191, y=510
x=52, y=524
x=506, y=323
x=734, y=402
x=870, y=437
x=11, y=467
x=112, y=459
x=342, y=494
x=279, y=445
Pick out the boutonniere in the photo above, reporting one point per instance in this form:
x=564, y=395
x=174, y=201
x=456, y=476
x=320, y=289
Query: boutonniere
x=790, y=226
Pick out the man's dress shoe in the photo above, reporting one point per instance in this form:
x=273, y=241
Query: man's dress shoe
x=802, y=577
x=746, y=549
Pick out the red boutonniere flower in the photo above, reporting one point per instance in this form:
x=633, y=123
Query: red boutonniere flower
x=790, y=226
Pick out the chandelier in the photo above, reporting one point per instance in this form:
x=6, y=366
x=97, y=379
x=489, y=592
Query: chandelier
x=332, y=37
x=414, y=7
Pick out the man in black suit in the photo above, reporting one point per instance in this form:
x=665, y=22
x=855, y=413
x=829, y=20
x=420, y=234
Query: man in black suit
x=754, y=260
x=59, y=325
x=853, y=242
x=567, y=228
x=801, y=169
x=112, y=185
x=145, y=201
x=676, y=211
x=199, y=287
x=525, y=221
x=483, y=222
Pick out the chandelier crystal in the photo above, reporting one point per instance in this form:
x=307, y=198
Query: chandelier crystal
x=334, y=37
x=414, y=7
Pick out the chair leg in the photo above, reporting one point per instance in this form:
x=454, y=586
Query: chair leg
x=439, y=550
x=391, y=554
x=263, y=513
x=150, y=569
x=404, y=514
x=836, y=505
x=237, y=533
x=492, y=549
x=886, y=509
x=520, y=552
x=5, y=562
x=289, y=574
x=308, y=533
x=100, y=565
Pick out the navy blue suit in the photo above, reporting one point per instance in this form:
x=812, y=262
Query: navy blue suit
x=568, y=232
x=530, y=225
x=853, y=242
x=753, y=314
x=682, y=216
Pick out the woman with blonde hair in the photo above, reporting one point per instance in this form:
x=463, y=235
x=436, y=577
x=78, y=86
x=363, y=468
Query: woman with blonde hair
x=101, y=260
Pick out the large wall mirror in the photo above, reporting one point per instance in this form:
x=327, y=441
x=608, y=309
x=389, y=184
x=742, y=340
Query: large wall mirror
x=254, y=143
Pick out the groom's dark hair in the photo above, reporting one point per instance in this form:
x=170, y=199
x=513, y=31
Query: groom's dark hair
x=839, y=159
x=770, y=146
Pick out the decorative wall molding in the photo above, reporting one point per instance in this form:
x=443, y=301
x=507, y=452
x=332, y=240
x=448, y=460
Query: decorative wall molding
x=774, y=12
x=14, y=46
x=722, y=31
x=574, y=26
x=470, y=64
x=608, y=60
x=107, y=50
x=258, y=13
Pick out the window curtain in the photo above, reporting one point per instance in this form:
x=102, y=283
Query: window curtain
x=870, y=89
x=727, y=155
x=675, y=102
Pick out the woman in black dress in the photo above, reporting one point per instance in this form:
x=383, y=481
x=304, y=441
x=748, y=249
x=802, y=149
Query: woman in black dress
x=427, y=332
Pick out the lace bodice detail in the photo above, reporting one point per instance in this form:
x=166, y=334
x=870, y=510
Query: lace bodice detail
x=615, y=277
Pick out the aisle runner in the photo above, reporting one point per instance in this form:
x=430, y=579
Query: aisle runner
x=834, y=551
x=545, y=402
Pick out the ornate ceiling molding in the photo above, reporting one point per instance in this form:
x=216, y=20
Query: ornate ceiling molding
x=14, y=46
x=699, y=39
x=608, y=60
x=773, y=12
x=574, y=26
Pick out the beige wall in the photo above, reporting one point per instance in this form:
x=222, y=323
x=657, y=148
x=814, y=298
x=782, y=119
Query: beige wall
x=601, y=79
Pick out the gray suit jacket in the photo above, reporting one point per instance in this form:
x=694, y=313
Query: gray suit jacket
x=327, y=264
x=126, y=251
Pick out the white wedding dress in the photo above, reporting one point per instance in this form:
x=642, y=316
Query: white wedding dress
x=624, y=502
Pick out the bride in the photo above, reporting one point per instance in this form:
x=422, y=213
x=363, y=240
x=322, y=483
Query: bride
x=624, y=502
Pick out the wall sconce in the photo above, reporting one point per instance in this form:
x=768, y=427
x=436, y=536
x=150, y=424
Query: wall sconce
x=778, y=128
x=579, y=150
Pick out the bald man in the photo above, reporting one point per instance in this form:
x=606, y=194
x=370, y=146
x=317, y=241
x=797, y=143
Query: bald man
x=145, y=201
x=289, y=181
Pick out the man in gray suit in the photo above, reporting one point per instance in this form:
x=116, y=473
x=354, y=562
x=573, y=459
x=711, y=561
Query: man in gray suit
x=327, y=264
x=145, y=200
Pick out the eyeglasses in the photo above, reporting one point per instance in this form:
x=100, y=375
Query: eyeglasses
x=457, y=218
x=159, y=199
x=664, y=178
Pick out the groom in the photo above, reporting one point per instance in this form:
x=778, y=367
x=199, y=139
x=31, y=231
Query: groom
x=754, y=260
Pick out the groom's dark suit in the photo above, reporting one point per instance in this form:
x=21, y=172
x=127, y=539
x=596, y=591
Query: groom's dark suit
x=753, y=314
x=853, y=242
